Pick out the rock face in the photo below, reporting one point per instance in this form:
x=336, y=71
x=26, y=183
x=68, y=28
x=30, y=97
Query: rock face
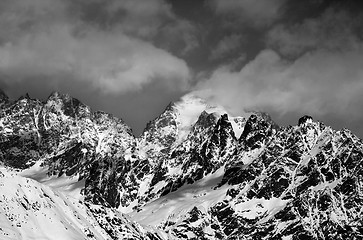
x=4, y=99
x=187, y=141
x=194, y=173
x=62, y=131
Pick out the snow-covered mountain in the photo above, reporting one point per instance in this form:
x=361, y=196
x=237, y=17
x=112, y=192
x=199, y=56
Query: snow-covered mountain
x=196, y=172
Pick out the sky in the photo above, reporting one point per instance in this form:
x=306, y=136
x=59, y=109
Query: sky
x=288, y=58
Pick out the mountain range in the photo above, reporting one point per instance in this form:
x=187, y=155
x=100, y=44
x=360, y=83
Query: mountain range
x=195, y=172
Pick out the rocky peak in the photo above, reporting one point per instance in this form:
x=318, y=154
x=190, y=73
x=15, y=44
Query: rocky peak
x=205, y=120
x=223, y=136
x=104, y=118
x=224, y=127
x=257, y=129
x=165, y=119
x=162, y=131
x=55, y=102
x=305, y=119
x=64, y=103
x=202, y=130
x=188, y=111
x=26, y=96
x=56, y=95
x=3, y=98
x=114, y=136
x=3, y=94
x=181, y=118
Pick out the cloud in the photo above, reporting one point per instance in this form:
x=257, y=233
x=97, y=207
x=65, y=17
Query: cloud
x=320, y=76
x=54, y=39
x=317, y=83
x=179, y=35
x=260, y=13
x=141, y=18
x=226, y=46
x=333, y=30
x=150, y=20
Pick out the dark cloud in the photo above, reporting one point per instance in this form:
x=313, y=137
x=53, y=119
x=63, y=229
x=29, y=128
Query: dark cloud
x=179, y=37
x=141, y=19
x=226, y=46
x=259, y=13
x=334, y=30
x=45, y=41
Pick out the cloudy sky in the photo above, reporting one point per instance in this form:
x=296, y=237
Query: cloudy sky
x=132, y=57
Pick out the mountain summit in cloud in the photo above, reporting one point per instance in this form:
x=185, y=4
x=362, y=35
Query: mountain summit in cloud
x=196, y=172
x=288, y=58
x=241, y=151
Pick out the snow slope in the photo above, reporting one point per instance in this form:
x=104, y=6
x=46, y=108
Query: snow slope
x=69, y=185
x=176, y=204
x=31, y=210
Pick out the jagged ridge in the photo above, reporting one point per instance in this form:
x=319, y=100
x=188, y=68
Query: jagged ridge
x=210, y=175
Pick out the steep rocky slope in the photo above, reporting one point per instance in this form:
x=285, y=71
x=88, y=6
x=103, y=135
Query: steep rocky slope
x=196, y=172
x=62, y=131
x=301, y=182
x=180, y=146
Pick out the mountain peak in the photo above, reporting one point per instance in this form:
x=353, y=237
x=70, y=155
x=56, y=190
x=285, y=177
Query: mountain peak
x=184, y=114
x=188, y=109
x=54, y=94
x=3, y=98
x=58, y=95
x=26, y=96
x=70, y=105
x=3, y=94
x=305, y=119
